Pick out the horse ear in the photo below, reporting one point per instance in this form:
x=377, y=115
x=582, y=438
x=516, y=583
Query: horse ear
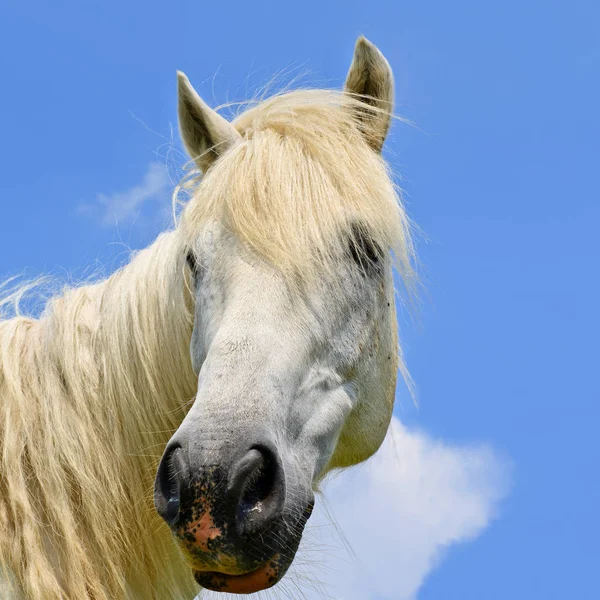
x=370, y=80
x=205, y=133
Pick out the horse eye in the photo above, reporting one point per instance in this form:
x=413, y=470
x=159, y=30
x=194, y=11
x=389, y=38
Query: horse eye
x=365, y=251
x=192, y=262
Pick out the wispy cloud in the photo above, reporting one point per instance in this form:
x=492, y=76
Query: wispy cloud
x=149, y=199
x=398, y=513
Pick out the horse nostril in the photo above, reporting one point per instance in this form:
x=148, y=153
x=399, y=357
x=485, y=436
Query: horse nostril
x=169, y=485
x=256, y=489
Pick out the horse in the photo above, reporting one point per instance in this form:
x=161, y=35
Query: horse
x=166, y=429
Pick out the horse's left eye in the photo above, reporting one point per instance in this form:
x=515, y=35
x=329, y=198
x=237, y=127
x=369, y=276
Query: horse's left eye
x=365, y=251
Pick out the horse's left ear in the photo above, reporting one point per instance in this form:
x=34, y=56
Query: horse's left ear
x=370, y=80
x=205, y=133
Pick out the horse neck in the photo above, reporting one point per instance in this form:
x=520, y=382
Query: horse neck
x=119, y=347
x=145, y=323
x=120, y=351
x=90, y=394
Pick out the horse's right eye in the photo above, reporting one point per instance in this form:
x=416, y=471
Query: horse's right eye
x=192, y=262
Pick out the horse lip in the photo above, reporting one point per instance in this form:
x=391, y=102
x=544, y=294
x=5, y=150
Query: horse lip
x=265, y=576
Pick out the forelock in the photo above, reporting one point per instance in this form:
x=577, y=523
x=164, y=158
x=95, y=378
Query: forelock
x=299, y=180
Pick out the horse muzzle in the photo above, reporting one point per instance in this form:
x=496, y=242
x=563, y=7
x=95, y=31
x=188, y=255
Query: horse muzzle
x=227, y=510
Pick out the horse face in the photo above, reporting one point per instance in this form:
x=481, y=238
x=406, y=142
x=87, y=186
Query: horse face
x=292, y=382
x=288, y=387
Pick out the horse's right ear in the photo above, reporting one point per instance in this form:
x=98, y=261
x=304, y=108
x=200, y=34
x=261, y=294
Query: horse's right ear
x=205, y=133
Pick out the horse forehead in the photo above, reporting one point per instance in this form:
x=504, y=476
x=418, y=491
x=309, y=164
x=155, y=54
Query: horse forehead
x=243, y=278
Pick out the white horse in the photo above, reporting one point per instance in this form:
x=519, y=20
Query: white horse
x=277, y=281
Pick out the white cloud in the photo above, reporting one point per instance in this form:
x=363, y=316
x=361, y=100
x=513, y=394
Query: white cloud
x=123, y=208
x=399, y=512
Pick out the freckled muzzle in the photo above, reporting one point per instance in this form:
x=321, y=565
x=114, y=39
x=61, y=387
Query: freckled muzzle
x=232, y=523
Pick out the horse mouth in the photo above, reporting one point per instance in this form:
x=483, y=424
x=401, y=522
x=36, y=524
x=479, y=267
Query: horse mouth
x=264, y=577
x=236, y=565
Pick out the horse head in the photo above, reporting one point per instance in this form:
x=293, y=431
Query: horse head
x=290, y=242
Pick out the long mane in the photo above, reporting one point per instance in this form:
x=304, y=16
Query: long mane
x=92, y=390
x=89, y=395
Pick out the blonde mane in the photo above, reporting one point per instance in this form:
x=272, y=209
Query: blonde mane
x=92, y=390
x=302, y=175
x=90, y=394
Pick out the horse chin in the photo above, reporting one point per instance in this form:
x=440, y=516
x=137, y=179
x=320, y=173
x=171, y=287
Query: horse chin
x=264, y=577
x=224, y=572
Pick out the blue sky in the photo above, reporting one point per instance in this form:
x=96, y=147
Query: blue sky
x=500, y=172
